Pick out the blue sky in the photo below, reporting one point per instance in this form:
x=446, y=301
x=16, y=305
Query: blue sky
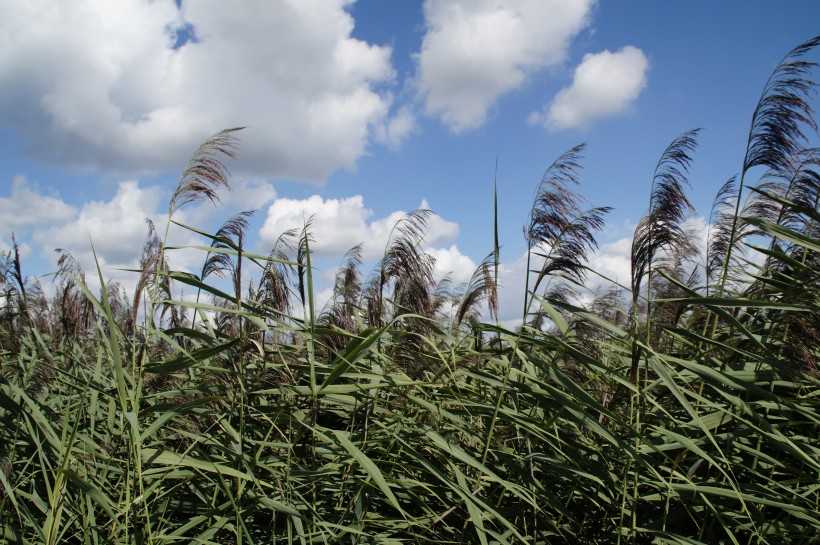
x=360, y=111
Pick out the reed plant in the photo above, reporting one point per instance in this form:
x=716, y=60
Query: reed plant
x=682, y=409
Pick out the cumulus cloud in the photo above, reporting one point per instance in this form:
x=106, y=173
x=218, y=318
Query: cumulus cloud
x=339, y=224
x=475, y=51
x=26, y=206
x=397, y=129
x=117, y=227
x=605, y=84
x=96, y=84
x=450, y=262
x=611, y=261
x=246, y=195
x=511, y=278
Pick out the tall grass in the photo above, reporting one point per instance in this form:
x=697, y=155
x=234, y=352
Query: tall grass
x=680, y=413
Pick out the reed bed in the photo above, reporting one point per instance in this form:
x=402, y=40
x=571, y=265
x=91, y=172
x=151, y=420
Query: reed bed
x=682, y=409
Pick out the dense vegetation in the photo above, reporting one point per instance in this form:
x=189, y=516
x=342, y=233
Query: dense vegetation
x=682, y=408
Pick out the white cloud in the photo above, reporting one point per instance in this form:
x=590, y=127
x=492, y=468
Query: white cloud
x=116, y=228
x=511, y=278
x=450, y=261
x=340, y=224
x=26, y=207
x=475, y=51
x=395, y=131
x=246, y=194
x=98, y=84
x=250, y=193
x=612, y=261
x=605, y=84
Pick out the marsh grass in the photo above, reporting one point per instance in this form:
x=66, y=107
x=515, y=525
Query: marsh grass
x=685, y=412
